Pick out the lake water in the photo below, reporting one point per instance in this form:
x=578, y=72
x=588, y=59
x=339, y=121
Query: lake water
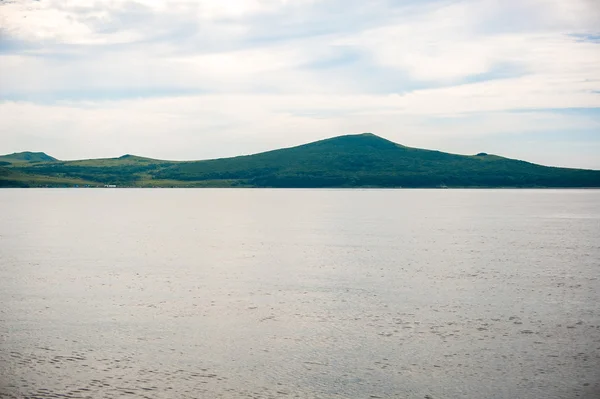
x=176, y=293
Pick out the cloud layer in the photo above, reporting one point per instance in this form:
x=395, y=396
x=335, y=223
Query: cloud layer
x=197, y=79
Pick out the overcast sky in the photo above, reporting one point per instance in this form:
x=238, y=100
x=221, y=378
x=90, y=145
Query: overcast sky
x=213, y=78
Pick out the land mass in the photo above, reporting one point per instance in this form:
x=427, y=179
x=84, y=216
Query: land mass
x=361, y=160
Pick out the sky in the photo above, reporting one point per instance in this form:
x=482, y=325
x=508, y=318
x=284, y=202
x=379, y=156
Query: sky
x=187, y=80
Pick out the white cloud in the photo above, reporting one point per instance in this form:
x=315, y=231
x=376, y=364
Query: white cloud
x=91, y=21
x=452, y=42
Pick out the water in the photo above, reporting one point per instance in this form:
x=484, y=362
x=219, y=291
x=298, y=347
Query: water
x=299, y=293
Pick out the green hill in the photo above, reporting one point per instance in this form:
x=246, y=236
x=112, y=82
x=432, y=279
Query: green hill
x=26, y=156
x=362, y=160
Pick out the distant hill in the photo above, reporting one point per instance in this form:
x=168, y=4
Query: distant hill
x=25, y=157
x=362, y=160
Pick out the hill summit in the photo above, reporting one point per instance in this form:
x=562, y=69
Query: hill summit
x=27, y=156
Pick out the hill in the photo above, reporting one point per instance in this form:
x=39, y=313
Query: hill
x=26, y=156
x=363, y=160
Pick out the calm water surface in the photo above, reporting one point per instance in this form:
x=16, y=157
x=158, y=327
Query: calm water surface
x=299, y=293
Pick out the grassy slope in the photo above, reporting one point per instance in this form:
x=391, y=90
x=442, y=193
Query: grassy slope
x=24, y=157
x=15, y=178
x=347, y=161
x=367, y=160
x=127, y=170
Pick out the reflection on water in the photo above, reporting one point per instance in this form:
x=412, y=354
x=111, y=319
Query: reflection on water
x=299, y=293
